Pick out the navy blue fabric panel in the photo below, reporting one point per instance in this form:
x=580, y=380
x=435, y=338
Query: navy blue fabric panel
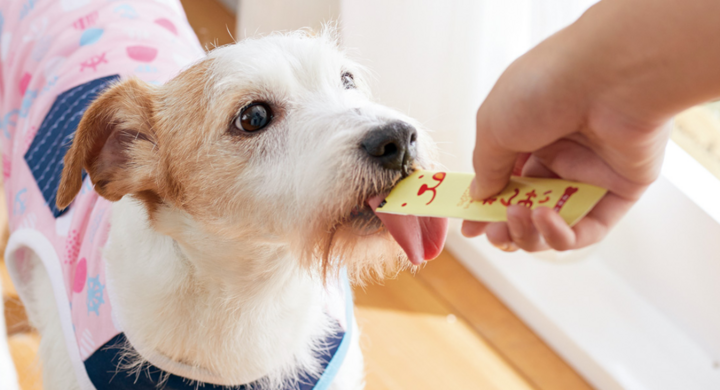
x=55, y=135
x=332, y=343
x=105, y=371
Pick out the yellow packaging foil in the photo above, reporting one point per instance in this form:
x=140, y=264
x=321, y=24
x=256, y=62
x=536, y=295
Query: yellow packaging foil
x=447, y=194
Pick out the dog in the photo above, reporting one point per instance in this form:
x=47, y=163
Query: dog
x=205, y=222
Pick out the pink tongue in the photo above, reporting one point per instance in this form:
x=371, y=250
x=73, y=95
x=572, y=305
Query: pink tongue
x=422, y=238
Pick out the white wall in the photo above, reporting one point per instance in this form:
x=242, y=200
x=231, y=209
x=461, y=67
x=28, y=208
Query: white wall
x=422, y=64
x=264, y=16
x=438, y=60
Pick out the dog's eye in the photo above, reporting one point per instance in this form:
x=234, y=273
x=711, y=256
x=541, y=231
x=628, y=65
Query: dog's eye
x=253, y=117
x=348, y=80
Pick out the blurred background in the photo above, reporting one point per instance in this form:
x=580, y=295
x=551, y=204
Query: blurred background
x=637, y=311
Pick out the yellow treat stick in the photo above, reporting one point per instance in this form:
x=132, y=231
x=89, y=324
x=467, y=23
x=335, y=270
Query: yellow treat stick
x=447, y=194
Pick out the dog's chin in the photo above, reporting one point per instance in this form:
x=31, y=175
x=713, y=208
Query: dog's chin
x=366, y=250
x=362, y=221
x=358, y=242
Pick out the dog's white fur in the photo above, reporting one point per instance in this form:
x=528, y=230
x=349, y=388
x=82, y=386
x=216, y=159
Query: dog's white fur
x=228, y=275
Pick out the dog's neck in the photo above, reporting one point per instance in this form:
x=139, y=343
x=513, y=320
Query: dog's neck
x=234, y=311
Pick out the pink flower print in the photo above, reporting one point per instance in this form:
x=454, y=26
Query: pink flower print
x=142, y=53
x=80, y=276
x=72, y=247
x=93, y=62
x=24, y=82
x=167, y=24
x=86, y=21
x=7, y=165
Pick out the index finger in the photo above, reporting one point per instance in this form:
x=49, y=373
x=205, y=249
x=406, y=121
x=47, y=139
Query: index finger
x=493, y=165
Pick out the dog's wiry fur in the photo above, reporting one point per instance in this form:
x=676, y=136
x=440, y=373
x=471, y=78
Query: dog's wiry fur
x=221, y=241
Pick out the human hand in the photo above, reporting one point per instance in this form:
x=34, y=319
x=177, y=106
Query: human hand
x=589, y=104
x=569, y=137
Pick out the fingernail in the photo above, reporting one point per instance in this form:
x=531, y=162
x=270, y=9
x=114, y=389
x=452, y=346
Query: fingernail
x=507, y=247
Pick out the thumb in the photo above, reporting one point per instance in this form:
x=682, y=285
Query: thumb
x=493, y=167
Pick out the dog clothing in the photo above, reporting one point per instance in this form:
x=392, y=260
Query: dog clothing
x=56, y=57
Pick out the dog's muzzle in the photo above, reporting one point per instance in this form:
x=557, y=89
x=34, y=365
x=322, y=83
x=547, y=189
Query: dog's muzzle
x=392, y=146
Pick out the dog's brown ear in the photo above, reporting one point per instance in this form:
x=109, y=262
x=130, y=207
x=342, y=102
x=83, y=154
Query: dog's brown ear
x=114, y=143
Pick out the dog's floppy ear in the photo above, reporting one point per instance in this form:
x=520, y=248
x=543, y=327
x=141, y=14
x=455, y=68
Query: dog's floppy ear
x=114, y=143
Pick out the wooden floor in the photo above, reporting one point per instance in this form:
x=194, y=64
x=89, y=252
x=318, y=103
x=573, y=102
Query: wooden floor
x=443, y=329
x=439, y=329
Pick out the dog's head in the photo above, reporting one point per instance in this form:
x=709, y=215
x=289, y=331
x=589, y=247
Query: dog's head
x=267, y=145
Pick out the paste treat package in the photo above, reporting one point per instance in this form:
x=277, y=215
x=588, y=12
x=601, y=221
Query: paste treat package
x=447, y=194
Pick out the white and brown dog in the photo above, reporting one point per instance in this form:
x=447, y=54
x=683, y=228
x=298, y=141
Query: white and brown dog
x=235, y=200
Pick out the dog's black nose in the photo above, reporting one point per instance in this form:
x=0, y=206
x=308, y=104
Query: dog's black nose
x=392, y=145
